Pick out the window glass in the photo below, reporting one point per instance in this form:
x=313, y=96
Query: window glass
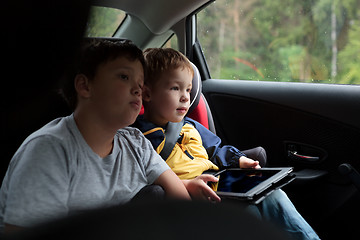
x=172, y=42
x=103, y=21
x=298, y=41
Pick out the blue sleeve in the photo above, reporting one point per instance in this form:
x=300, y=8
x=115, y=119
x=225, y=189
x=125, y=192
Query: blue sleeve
x=223, y=156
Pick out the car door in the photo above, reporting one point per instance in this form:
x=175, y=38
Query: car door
x=311, y=126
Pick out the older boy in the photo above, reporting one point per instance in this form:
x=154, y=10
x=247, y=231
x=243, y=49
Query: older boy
x=83, y=161
x=166, y=96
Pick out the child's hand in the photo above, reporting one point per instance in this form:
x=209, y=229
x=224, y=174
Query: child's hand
x=245, y=162
x=198, y=188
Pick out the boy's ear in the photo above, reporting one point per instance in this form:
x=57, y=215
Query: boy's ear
x=82, y=85
x=146, y=93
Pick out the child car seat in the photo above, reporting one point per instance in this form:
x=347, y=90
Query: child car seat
x=200, y=111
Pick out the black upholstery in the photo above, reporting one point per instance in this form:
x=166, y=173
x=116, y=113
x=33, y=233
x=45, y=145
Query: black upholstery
x=38, y=42
x=351, y=173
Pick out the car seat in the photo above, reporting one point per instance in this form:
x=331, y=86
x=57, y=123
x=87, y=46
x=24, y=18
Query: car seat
x=200, y=111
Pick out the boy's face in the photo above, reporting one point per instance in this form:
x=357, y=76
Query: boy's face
x=170, y=97
x=116, y=91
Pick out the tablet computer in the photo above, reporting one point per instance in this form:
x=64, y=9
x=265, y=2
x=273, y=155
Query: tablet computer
x=251, y=184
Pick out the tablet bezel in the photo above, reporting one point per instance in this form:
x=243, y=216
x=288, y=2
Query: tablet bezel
x=258, y=189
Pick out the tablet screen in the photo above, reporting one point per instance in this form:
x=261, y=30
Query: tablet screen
x=242, y=181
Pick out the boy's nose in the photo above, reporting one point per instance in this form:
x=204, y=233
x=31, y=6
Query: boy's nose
x=136, y=91
x=184, y=98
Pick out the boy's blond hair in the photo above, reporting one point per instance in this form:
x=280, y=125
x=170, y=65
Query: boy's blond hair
x=161, y=60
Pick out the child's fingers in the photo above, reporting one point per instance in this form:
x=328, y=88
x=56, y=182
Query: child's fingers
x=249, y=163
x=208, y=178
x=253, y=163
x=205, y=191
x=257, y=166
x=211, y=195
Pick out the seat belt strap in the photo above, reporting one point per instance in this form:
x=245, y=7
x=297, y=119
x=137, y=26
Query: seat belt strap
x=172, y=133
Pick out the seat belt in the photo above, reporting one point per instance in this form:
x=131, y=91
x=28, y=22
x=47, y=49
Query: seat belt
x=172, y=133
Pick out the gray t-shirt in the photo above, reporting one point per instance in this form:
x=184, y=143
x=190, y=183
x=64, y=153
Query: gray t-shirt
x=55, y=173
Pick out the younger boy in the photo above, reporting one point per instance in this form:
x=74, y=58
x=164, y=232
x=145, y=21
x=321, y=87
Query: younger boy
x=166, y=96
x=89, y=159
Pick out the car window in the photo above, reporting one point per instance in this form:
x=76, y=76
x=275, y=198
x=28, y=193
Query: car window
x=103, y=21
x=172, y=42
x=297, y=41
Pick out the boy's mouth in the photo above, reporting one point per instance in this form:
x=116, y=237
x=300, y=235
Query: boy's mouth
x=182, y=110
x=136, y=103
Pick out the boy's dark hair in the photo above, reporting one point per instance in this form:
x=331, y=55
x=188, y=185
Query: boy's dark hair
x=93, y=53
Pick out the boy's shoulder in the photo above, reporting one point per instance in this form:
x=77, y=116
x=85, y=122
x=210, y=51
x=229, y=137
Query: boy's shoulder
x=142, y=124
x=146, y=127
x=58, y=128
x=203, y=131
x=191, y=121
x=195, y=123
x=131, y=132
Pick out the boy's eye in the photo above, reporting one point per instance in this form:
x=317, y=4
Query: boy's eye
x=124, y=76
x=188, y=90
x=174, y=88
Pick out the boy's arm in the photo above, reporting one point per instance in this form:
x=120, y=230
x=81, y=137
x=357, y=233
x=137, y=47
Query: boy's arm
x=223, y=156
x=173, y=186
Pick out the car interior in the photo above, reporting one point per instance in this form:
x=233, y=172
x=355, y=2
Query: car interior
x=312, y=127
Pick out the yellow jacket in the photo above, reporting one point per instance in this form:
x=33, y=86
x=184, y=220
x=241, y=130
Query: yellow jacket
x=196, y=150
x=188, y=159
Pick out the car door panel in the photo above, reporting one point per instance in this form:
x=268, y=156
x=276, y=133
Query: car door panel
x=319, y=123
x=318, y=120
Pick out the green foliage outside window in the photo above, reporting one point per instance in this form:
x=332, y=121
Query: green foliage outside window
x=103, y=21
x=297, y=41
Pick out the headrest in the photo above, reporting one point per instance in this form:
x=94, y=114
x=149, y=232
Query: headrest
x=196, y=89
